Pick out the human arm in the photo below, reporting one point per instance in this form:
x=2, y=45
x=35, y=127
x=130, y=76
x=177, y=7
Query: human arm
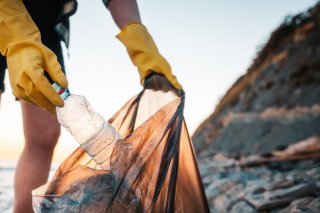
x=140, y=46
x=27, y=57
x=124, y=12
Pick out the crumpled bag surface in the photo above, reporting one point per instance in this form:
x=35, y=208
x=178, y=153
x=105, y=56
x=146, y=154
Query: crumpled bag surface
x=152, y=169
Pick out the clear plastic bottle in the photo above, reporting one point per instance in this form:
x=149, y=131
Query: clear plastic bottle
x=88, y=127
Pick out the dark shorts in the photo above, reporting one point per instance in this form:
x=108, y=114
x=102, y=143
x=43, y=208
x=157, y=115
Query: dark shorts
x=44, y=14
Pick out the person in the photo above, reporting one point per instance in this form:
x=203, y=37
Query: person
x=30, y=35
x=20, y=43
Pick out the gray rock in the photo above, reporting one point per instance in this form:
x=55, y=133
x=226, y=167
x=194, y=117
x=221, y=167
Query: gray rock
x=303, y=205
x=242, y=207
x=294, y=192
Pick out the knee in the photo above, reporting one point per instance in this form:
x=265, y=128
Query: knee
x=46, y=139
x=41, y=128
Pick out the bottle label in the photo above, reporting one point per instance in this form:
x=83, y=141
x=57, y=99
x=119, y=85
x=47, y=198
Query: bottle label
x=64, y=93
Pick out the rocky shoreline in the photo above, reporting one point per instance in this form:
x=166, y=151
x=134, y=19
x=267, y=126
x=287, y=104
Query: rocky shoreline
x=259, y=151
x=282, y=183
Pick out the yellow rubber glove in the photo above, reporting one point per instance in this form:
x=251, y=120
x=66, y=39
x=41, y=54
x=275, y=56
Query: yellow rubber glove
x=27, y=57
x=144, y=53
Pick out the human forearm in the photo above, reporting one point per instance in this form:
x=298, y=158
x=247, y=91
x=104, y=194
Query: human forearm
x=140, y=45
x=124, y=11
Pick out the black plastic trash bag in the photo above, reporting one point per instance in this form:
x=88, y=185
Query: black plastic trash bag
x=153, y=169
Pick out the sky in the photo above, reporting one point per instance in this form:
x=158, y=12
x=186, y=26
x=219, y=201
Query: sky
x=209, y=44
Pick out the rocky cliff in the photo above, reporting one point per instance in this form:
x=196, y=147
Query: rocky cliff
x=260, y=149
x=276, y=103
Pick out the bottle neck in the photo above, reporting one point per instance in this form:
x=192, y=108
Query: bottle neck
x=64, y=93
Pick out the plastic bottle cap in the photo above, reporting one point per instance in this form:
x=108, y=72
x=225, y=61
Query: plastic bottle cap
x=64, y=94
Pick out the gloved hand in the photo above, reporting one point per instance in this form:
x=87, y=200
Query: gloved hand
x=27, y=57
x=144, y=53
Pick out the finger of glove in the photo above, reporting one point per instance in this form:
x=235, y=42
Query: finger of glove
x=36, y=82
x=174, y=82
x=20, y=94
x=40, y=100
x=49, y=93
x=29, y=93
x=54, y=69
x=28, y=100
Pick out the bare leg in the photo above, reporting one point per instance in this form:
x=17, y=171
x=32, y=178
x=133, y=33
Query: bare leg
x=41, y=130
